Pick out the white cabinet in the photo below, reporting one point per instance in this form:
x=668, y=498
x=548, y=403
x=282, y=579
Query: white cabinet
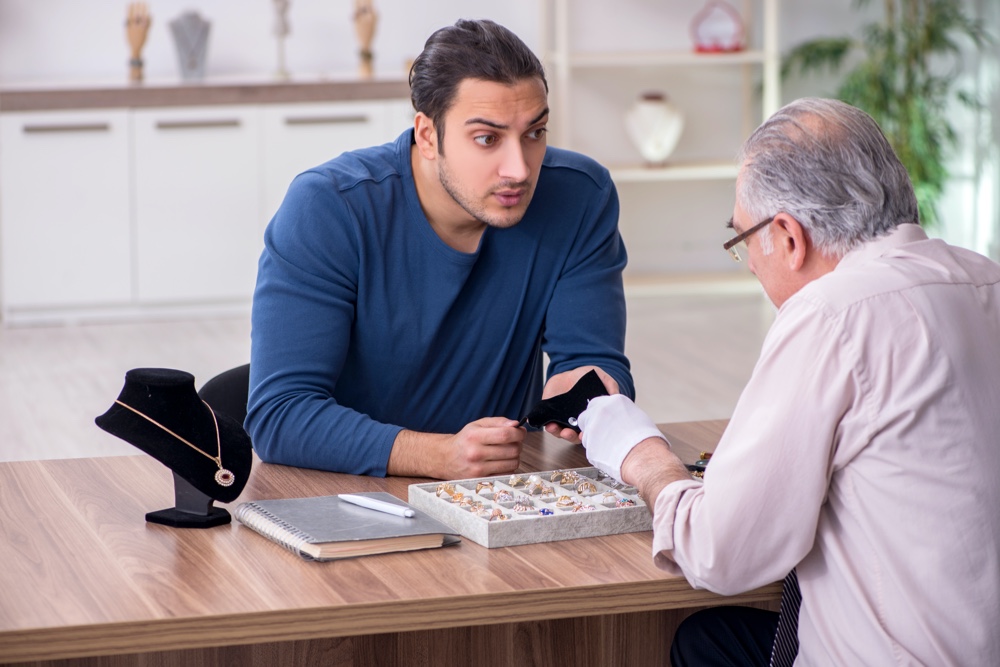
x=128, y=212
x=197, y=203
x=672, y=215
x=300, y=136
x=64, y=209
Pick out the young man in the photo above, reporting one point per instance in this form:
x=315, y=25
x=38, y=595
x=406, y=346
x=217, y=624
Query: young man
x=407, y=292
x=863, y=451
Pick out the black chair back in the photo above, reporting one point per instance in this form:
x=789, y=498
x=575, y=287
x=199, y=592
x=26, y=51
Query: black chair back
x=227, y=392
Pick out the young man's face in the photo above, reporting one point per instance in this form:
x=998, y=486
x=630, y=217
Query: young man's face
x=494, y=142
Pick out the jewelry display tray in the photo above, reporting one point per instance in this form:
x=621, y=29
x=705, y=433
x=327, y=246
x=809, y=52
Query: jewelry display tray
x=530, y=527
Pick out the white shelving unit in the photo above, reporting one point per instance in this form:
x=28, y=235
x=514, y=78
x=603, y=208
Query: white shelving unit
x=578, y=66
x=563, y=61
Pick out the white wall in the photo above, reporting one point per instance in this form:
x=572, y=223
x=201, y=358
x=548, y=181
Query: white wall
x=83, y=41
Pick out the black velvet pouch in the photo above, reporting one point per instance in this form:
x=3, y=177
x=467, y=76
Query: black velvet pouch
x=564, y=409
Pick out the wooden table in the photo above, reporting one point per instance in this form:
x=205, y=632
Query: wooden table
x=83, y=575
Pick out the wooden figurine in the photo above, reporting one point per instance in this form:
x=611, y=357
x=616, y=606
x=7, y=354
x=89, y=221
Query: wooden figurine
x=365, y=20
x=281, y=30
x=137, y=22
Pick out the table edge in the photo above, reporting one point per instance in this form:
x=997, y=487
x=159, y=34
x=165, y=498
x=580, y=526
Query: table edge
x=169, y=634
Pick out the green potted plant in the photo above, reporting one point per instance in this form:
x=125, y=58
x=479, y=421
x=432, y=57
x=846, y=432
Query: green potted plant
x=904, y=72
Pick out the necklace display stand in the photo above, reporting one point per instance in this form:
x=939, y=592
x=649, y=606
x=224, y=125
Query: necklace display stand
x=159, y=411
x=190, y=32
x=192, y=509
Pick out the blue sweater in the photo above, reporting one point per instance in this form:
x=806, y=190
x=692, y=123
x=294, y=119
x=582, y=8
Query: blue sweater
x=365, y=322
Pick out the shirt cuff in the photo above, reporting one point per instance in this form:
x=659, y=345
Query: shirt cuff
x=664, y=514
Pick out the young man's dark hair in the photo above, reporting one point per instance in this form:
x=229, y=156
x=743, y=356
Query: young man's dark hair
x=467, y=50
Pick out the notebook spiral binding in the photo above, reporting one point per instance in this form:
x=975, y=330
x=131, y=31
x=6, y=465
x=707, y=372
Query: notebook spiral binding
x=273, y=528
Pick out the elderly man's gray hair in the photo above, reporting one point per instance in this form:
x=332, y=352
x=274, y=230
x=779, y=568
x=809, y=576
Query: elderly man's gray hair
x=829, y=166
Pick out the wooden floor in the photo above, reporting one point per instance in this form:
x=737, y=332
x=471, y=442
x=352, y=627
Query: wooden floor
x=691, y=354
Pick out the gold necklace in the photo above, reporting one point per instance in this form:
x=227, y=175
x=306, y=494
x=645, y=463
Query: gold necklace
x=223, y=477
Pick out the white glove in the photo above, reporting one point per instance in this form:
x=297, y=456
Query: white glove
x=610, y=427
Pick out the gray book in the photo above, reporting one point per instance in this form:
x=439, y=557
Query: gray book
x=327, y=528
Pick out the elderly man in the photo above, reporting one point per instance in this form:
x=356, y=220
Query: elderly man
x=863, y=454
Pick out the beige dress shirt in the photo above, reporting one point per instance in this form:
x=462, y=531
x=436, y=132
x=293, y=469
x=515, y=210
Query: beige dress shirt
x=865, y=451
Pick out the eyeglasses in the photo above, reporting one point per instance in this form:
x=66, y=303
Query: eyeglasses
x=731, y=244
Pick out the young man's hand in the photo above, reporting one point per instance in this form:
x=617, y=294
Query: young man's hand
x=485, y=447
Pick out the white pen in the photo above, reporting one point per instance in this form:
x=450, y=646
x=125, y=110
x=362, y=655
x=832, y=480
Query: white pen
x=379, y=505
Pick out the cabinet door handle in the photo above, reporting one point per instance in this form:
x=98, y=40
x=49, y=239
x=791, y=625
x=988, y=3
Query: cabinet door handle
x=67, y=127
x=196, y=124
x=326, y=120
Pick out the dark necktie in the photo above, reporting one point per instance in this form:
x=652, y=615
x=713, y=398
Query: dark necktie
x=786, y=639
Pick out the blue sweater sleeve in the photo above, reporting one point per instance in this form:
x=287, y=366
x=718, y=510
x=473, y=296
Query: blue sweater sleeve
x=303, y=311
x=585, y=321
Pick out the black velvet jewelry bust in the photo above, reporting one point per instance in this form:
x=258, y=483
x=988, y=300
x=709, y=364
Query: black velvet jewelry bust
x=159, y=411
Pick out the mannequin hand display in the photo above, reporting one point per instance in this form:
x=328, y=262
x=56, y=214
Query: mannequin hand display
x=137, y=24
x=612, y=426
x=365, y=20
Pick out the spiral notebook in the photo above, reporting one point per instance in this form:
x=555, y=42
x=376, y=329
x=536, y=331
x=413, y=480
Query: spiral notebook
x=327, y=528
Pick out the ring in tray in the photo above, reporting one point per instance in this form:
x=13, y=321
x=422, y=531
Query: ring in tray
x=526, y=508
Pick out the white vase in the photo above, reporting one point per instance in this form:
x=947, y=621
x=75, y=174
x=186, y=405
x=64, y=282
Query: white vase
x=654, y=125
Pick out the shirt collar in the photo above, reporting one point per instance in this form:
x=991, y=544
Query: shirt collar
x=898, y=237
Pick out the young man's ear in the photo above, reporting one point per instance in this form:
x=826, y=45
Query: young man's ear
x=425, y=135
x=791, y=240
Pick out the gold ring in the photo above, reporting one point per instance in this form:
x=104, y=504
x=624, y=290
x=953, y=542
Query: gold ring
x=569, y=477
